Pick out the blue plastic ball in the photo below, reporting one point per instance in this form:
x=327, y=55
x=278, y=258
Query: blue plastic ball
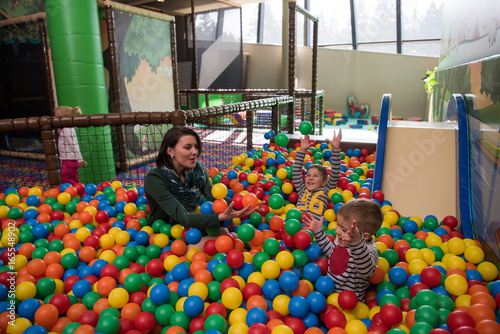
x=410, y=226
x=325, y=285
x=206, y=208
x=90, y=189
x=256, y=315
x=313, y=252
x=298, y=307
x=398, y=275
x=289, y=281
x=33, y=200
x=159, y=294
x=193, y=306
x=311, y=272
x=28, y=307
x=40, y=231
x=317, y=302
x=193, y=236
x=81, y=288
x=180, y=272
x=270, y=289
x=35, y=329
x=142, y=237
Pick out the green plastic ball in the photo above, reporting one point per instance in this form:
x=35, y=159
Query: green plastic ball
x=246, y=232
x=305, y=128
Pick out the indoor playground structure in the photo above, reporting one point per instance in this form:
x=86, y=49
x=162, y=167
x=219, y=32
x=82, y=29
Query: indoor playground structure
x=85, y=258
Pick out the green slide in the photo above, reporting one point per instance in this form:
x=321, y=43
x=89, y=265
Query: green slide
x=75, y=42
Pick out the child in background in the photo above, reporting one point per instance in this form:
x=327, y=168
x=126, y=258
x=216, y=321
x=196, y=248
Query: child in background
x=313, y=191
x=69, y=150
x=352, y=257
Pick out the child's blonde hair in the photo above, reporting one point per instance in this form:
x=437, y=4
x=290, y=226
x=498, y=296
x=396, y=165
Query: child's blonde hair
x=63, y=111
x=365, y=212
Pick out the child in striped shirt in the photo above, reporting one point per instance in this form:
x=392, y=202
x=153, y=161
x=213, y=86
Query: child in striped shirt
x=352, y=257
x=313, y=191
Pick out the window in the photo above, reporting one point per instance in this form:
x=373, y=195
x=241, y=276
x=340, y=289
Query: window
x=376, y=24
x=334, y=26
x=272, y=21
x=250, y=14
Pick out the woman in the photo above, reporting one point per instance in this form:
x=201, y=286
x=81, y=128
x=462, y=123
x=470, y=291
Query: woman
x=173, y=189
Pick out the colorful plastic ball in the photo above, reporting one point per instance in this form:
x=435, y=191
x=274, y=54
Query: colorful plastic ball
x=398, y=275
x=246, y=232
x=347, y=300
x=488, y=270
x=305, y=128
x=431, y=276
x=459, y=318
x=28, y=307
x=391, y=315
x=193, y=236
x=159, y=294
x=219, y=190
x=232, y=298
x=90, y=189
x=46, y=315
x=276, y=201
x=235, y=258
x=281, y=139
x=456, y=284
x=256, y=315
x=298, y=307
x=193, y=306
x=250, y=199
x=288, y=281
x=215, y=322
x=118, y=298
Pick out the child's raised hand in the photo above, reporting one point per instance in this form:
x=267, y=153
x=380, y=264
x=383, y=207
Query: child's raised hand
x=353, y=232
x=311, y=223
x=305, y=143
x=335, y=142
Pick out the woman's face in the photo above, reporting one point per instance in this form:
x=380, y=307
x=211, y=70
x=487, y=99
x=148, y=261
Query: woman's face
x=184, y=153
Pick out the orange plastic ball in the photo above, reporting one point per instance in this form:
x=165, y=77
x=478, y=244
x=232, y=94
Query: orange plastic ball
x=179, y=247
x=224, y=244
x=105, y=285
x=250, y=199
x=75, y=310
x=46, y=315
x=130, y=311
x=52, y=257
x=55, y=271
x=36, y=267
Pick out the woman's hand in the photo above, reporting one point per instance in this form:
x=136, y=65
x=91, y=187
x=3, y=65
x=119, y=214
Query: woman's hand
x=335, y=142
x=231, y=212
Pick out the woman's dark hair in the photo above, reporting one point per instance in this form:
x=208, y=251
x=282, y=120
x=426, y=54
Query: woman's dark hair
x=170, y=140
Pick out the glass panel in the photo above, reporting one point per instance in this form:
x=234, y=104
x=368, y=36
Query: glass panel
x=334, y=24
x=429, y=49
x=250, y=15
x=206, y=26
x=340, y=47
x=375, y=20
x=383, y=47
x=231, y=26
x=272, y=21
x=300, y=25
x=421, y=19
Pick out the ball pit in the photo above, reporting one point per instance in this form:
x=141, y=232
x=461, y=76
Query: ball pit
x=88, y=260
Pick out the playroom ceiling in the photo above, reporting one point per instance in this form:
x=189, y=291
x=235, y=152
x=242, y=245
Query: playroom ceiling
x=183, y=7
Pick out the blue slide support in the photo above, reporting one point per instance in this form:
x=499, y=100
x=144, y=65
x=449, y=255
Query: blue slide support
x=382, y=137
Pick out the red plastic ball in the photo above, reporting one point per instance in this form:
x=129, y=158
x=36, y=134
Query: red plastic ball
x=391, y=315
x=259, y=328
x=216, y=308
x=110, y=270
x=235, y=258
x=238, y=200
x=209, y=247
x=378, y=195
x=229, y=283
x=335, y=318
x=302, y=240
x=379, y=328
x=251, y=289
x=458, y=318
x=296, y=325
x=431, y=276
x=145, y=322
x=450, y=221
x=89, y=318
x=197, y=324
x=101, y=216
x=61, y=301
x=328, y=308
x=154, y=267
x=347, y=300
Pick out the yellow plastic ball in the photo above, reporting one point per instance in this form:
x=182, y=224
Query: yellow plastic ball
x=285, y=259
x=18, y=326
x=35, y=191
x=106, y=241
x=433, y=240
x=282, y=329
x=232, y=298
x=456, y=285
x=280, y=304
x=116, y=184
x=130, y=209
x=391, y=217
x=429, y=256
x=333, y=299
x=91, y=209
x=416, y=266
x=270, y=269
x=4, y=211
x=219, y=190
x=252, y=178
x=12, y=200
x=474, y=254
x=384, y=264
x=361, y=311
x=282, y=174
x=488, y=270
x=170, y=262
x=330, y=215
x=257, y=278
x=118, y=298
x=82, y=233
x=456, y=246
x=413, y=254
x=356, y=327
x=238, y=315
x=162, y=240
x=25, y=290
x=64, y=198
x=122, y=238
x=463, y=300
x=455, y=262
x=198, y=289
x=287, y=188
x=176, y=231
x=238, y=328
x=20, y=261
x=108, y=255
